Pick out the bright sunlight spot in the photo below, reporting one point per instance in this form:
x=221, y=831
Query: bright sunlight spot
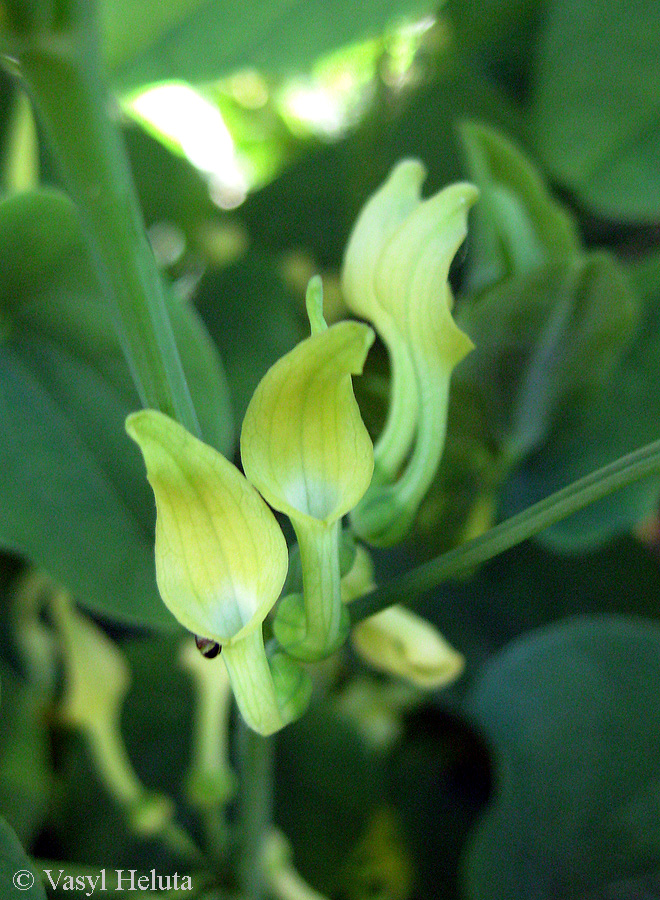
x=194, y=127
x=335, y=95
x=239, y=138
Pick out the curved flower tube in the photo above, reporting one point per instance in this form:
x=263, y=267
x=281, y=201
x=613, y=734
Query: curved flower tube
x=395, y=274
x=306, y=449
x=221, y=561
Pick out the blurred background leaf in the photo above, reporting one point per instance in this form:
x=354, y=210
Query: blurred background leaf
x=566, y=711
x=595, y=104
x=199, y=40
x=13, y=860
x=74, y=493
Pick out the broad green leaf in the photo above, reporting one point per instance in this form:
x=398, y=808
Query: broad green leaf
x=14, y=864
x=569, y=712
x=73, y=491
x=623, y=415
x=199, y=40
x=497, y=28
x=596, y=106
x=516, y=226
x=546, y=341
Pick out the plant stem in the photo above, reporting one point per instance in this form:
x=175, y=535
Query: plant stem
x=60, y=67
x=409, y=587
x=254, y=808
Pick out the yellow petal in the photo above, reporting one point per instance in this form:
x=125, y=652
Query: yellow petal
x=221, y=558
x=400, y=642
x=303, y=443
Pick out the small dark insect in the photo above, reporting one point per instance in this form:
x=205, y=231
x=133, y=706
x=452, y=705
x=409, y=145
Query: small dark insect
x=207, y=647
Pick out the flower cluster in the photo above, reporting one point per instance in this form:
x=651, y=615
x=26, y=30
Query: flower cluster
x=221, y=558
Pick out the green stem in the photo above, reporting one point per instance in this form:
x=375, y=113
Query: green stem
x=61, y=71
x=313, y=625
x=461, y=560
x=255, y=806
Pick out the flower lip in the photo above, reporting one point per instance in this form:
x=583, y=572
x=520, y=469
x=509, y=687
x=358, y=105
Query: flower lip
x=380, y=218
x=221, y=558
x=303, y=443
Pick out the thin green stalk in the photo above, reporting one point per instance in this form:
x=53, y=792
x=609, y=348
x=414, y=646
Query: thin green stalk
x=461, y=560
x=58, y=61
x=255, y=804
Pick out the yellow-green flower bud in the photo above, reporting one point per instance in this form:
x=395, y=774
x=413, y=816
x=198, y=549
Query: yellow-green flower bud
x=395, y=274
x=221, y=561
x=305, y=447
x=400, y=642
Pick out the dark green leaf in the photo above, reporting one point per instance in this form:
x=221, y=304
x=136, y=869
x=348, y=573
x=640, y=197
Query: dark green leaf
x=622, y=416
x=571, y=714
x=73, y=487
x=15, y=864
x=596, y=109
x=252, y=319
x=516, y=226
x=546, y=340
x=26, y=780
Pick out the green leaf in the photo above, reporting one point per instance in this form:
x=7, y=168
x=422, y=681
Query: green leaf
x=516, y=226
x=15, y=864
x=569, y=713
x=72, y=486
x=623, y=415
x=596, y=108
x=546, y=341
x=26, y=780
x=199, y=40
